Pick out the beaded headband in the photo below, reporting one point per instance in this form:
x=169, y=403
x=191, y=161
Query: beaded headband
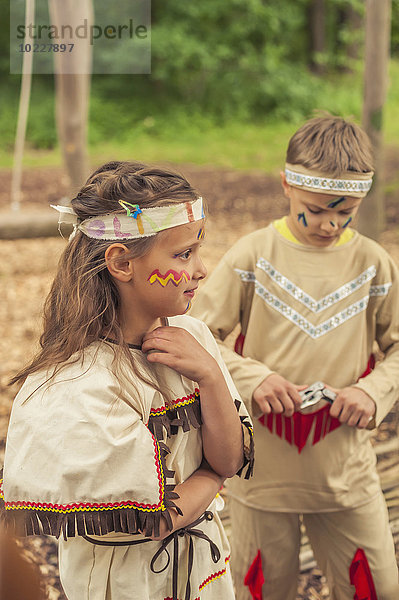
x=352, y=183
x=136, y=223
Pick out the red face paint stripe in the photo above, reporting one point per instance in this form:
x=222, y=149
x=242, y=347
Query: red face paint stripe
x=170, y=275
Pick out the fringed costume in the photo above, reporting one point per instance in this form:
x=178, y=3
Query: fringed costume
x=94, y=461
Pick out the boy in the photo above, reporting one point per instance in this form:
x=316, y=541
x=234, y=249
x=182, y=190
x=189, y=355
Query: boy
x=312, y=296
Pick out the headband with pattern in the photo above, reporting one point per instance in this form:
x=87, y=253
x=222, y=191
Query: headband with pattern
x=136, y=223
x=350, y=183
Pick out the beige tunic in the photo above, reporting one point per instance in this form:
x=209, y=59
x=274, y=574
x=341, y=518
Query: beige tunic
x=82, y=461
x=308, y=314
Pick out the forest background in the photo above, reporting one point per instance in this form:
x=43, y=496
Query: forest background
x=230, y=82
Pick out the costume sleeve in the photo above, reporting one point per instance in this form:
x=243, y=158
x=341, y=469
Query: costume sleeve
x=382, y=384
x=223, y=302
x=80, y=460
x=246, y=423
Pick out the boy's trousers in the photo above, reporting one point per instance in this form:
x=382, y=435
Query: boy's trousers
x=335, y=538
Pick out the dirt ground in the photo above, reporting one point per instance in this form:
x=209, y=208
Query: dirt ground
x=238, y=203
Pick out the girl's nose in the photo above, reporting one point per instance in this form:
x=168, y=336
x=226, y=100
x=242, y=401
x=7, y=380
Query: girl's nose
x=200, y=271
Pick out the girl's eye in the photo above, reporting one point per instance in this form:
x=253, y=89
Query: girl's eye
x=346, y=212
x=185, y=255
x=314, y=212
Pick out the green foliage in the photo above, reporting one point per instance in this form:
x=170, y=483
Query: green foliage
x=395, y=28
x=214, y=64
x=233, y=58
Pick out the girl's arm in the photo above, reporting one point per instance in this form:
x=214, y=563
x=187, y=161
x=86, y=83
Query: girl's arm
x=221, y=427
x=195, y=495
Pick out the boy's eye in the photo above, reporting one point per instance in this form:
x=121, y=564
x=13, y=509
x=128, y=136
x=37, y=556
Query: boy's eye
x=314, y=212
x=346, y=212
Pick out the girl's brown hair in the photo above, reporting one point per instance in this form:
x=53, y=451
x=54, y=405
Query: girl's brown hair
x=332, y=146
x=82, y=306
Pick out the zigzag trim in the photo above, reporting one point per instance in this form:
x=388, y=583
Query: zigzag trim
x=176, y=403
x=29, y=518
x=94, y=506
x=214, y=576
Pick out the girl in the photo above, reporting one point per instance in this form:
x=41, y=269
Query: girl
x=128, y=421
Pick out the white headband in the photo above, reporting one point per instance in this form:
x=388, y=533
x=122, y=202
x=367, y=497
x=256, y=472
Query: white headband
x=352, y=184
x=136, y=223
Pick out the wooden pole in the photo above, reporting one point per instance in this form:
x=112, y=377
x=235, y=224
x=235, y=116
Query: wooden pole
x=72, y=83
x=26, y=81
x=317, y=23
x=378, y=24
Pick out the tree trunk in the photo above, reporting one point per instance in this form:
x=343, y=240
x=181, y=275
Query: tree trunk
x=72, y=82
x=317, y=24
x=378, y=23
x=353, y=23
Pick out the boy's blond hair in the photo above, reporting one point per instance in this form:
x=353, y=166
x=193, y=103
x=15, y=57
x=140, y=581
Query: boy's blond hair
x=332, y=146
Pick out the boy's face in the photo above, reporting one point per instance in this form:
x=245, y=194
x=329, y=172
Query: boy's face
x=318, y=219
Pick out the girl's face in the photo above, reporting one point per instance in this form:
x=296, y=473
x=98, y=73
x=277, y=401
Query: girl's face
x=319, y=219
x=165, y=279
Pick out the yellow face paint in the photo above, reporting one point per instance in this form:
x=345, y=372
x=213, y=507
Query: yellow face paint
x=170, y=275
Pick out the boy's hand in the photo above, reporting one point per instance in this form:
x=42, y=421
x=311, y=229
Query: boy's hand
x=353, y=407
x=178, y=349
x=278, y=395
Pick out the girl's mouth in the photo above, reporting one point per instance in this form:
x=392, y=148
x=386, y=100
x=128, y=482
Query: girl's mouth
x=190, y=293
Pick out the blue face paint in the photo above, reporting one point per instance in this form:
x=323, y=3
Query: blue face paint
x=347, y=223
x=335, y=203
x=332, y=223
x=301, y=217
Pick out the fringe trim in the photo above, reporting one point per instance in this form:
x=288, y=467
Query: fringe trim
x=248, y=443
x=297, y=429
x=184, y=415
x=25, y=521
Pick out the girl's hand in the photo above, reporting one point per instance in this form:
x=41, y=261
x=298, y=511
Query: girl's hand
x=178, y=349
x=353, y=407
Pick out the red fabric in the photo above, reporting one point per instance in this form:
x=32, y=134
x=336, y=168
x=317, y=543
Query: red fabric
x=298, y=427
x=361, y=577
x=254, y=578
x=239, y=344
x=369, y=368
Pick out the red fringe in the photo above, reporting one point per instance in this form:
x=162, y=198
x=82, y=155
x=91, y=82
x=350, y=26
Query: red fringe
x=254, y=578
x=361, y=577
x=297, y=428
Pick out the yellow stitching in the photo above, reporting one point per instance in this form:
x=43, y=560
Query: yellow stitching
x=155, y=411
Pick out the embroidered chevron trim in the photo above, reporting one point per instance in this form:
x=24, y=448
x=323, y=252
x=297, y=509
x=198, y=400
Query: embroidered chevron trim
x=380, y=290
x=299, y=294
x=305, y=325
x=245, y=275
